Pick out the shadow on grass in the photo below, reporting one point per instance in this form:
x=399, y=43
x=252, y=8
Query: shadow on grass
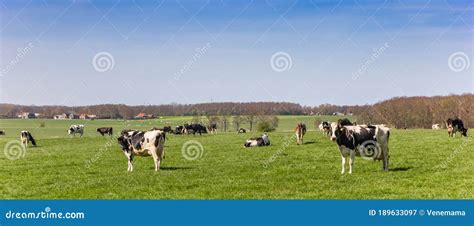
x=401, y=169
x=173, y=168
x=309, y=142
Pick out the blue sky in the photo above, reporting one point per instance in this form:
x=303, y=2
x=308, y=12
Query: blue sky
x=339, y=52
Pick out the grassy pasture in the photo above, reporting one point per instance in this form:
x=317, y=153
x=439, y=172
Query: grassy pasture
x=424, y=164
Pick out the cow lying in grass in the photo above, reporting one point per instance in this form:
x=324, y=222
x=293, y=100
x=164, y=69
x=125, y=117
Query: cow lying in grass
x=143, y=144
x=258, y=141
x=368, y=141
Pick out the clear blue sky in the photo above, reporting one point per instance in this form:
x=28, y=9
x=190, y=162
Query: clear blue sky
x=200, y=51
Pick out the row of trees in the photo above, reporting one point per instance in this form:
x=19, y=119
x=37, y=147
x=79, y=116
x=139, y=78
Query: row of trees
x=128, y=112
x=400, y=112
x=420, y=112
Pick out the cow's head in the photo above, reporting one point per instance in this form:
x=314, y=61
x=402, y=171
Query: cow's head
x=124, y=141
x=464, y=132
x=265, y=138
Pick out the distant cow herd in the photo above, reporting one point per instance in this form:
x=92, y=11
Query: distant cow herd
x=367, y=141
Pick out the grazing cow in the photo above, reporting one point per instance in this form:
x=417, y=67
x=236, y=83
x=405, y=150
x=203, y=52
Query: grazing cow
x=326, y=128
x=179, y=130
x=26, y=137
x=435, y=127
x=105, y=130
x=370, y=142
x=2, y=132
x=143, y=144
x=300, y=131
x=194, y=128
x=258, y=141
x=167, y=129
x=76, y=129
x=455, y=125
x=241, y=130
x=212, y=127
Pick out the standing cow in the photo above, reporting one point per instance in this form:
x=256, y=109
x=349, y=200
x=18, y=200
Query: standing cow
x=300, y=131
x=26, y=137
x=143, y=144
x=455, y=125
x=212, y=127
x=105, y=130
x=76, y=129
x=370, y=142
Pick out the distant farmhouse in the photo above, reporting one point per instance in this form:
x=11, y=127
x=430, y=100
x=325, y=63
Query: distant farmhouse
x=66, y=116
x=87, y=116
x=144, y=116
x=28, y=115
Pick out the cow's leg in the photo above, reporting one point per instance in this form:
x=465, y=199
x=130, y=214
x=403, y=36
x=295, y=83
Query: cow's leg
x=156, y=159
x=343, y=163
x=129, y=161
x=351, y=161
x=385, y=157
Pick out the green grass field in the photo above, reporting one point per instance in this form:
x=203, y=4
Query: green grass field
x=424, y=164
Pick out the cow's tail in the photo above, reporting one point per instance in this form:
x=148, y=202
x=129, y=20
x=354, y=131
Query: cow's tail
x=160, y=138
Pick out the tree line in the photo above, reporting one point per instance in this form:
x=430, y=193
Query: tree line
x=399, y=112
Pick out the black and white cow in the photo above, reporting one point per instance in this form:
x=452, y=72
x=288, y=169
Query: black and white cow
x=325, y=127
x=257, y=141
x=241, y=130
x=76, y=129
x=455, y=125
x=194, y=128
x=167, y=129
x=26, y=137
x=105, y=130
x=368, y=141
x=212, y=127
x=2, y=133
x=143, y=144
x=179, y=130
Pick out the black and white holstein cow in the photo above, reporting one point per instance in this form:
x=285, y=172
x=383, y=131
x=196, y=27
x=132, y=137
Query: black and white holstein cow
x=194, y=128
x=76, y=129
x=143, y=144
x=26, y=137
x=325, y=127
x=105, y=130
x=212, y=127
x=300, y=131
x=455, y=125
x=241, y=130
x=2, y=133
x=257, y=141
x=367, y=141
